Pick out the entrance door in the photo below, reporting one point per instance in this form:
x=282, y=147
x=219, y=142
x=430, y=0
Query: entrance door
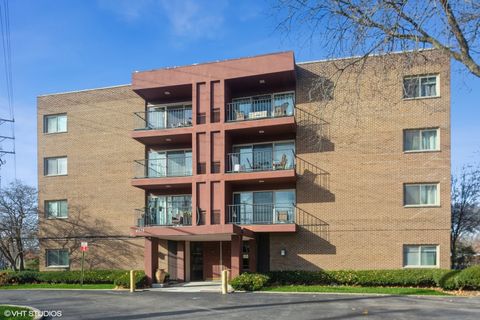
x=196, y=259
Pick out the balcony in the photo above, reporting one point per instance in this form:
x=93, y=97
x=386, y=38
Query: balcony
x=164, y=216
x=248, y=214
x=180, y=166
x=159, y=118
x=254, y=161
x=164, y=125
x=274, y=105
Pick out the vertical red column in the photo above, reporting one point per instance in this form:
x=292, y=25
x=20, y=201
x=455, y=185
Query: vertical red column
x=194, y=153
x=181, y=260
x=236, y=256
x=252, y=255
x=150, y=258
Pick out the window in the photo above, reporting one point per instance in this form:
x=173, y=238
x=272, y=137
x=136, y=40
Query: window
x=55, y=166
x=421, y=194
x=420, y=87
x=56, y=209
x=55, y=123
x=421, y=140
x=57, y=258
x=420, y=256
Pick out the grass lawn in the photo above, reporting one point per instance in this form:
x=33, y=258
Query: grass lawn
x=346, y=289
x=57, y=286
x=7, y=313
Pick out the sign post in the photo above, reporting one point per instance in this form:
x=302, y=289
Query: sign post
x=83, y=248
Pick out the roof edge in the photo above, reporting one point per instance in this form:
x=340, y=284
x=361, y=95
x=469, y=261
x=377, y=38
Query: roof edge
x=84, y=90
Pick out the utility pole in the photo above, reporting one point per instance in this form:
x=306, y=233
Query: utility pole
x=3, y=152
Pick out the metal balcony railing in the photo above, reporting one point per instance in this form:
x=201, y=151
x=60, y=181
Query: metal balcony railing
x=261, y=161
x=163, y=119
x=159, y=168
x=268, y=106
x=261, y=213
x=164, y=216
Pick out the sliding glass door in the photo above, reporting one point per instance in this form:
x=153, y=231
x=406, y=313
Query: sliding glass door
x=263, y=207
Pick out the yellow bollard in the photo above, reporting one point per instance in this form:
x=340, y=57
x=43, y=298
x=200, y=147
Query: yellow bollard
x=132, y=281
x=224, y=281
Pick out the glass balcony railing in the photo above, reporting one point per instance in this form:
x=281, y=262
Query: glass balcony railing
x=163, y=118
x=159, y=168
x=264, y=106
x=248, y=161
x=164, y=216
x=261, y=213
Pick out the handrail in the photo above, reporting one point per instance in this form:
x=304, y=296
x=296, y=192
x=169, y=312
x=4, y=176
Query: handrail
x=249, y=108
x=247, y=213
x=164, y=216
x=275, y=159
x=167, y=167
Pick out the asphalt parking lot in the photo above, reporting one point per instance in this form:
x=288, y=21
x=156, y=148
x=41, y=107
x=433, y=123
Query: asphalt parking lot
x=120, y=305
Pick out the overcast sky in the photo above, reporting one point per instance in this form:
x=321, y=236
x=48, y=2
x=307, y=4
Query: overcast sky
x=70, y=45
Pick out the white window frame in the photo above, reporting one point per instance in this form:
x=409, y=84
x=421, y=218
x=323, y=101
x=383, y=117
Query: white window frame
x=47, y=202
x=437, y=261
x=56, y=265
x=49, y=116
x=45, y=166
x=437, y=204
x=437, y=144
x=419, y=77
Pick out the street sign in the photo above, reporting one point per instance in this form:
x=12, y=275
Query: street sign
x=83, y=248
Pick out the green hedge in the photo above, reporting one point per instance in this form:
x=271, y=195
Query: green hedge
x=123, y=281
x=249, y=281
x=467, y=279
x=90, y=277
x=400, y=277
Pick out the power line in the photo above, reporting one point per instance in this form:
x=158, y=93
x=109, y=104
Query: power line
x=7, y=60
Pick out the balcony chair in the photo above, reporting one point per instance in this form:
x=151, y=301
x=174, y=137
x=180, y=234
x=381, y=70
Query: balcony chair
x=282, y=216
x=282, y=164
x=239, y=115
x=281, y=110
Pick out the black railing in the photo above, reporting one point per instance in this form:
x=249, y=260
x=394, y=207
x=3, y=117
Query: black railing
x=261, y=213
x=269, y=106
x=159, y=168
x=261, y=161
x=163, y=119
x=160, y=216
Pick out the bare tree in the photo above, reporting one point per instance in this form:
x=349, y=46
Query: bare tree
x=364, y=27
x=465, y=207
x=18, y=222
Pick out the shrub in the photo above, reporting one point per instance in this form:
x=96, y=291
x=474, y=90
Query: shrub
x=299, y=277
x=469, y=278
x=90, y=276
x=249, y=281
x=123, y=281
x=401, y=277
x=449, y=280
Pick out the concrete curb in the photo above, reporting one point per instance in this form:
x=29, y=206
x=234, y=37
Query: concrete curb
x=37, y=311
x=365, y=294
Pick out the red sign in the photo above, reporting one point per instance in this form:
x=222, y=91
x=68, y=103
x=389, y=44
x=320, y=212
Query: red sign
x=84, y=246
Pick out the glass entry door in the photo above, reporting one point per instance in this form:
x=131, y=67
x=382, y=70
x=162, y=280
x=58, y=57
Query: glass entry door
x=196, y=261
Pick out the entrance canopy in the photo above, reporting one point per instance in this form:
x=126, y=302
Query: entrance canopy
x=194, y=233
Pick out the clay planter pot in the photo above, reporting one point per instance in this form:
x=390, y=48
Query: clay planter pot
x=160, y=275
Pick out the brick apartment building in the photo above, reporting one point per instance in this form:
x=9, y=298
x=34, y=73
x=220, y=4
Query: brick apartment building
x=251, y=164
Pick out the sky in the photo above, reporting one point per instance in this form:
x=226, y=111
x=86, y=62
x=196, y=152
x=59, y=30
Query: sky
x=63, y=45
